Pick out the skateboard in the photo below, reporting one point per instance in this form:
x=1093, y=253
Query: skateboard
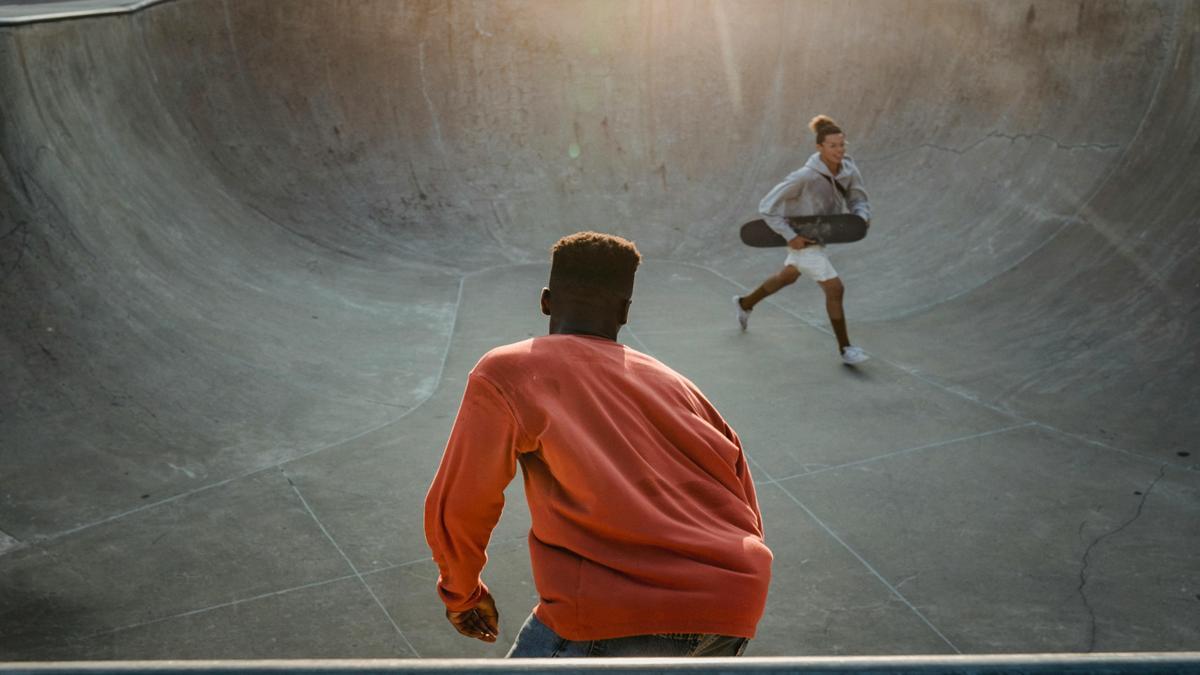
x=841, y=228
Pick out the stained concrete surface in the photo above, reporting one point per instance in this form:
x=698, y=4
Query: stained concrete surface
x=249, y=251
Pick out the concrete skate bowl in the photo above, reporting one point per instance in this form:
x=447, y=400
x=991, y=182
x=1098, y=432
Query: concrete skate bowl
x=234, y=233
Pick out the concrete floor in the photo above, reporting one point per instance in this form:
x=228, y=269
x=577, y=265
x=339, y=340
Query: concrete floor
x=249, y=251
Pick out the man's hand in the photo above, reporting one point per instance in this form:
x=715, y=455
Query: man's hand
x=797, y=242
x=481, y=622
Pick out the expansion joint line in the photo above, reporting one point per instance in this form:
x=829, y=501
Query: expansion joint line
x=353, y=567
x=906, y=451
x=242, y=601
x=1087, y=555
x=42, y=539
x=863, y=561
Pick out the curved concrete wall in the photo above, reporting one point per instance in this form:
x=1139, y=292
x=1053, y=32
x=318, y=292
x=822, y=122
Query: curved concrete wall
x=233, y=232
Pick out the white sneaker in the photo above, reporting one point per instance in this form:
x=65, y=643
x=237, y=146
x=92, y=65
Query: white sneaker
x=854, y=356
x=743, y=315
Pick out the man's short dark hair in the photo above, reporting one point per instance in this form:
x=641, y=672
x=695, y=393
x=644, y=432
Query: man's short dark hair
x=594, y=263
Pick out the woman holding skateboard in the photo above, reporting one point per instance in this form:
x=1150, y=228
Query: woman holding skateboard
x=827, y=184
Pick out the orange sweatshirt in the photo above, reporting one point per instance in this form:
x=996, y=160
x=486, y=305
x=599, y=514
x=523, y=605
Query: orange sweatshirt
x=644, y=515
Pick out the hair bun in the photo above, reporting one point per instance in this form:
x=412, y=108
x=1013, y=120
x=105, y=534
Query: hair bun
x=821, y=121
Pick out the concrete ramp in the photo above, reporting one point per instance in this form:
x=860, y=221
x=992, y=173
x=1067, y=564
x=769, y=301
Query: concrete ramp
x=249, y=250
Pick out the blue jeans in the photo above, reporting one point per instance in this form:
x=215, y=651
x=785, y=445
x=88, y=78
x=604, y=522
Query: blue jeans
x=537, y=640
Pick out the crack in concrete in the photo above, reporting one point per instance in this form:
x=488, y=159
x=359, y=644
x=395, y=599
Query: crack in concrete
x=1012, y=138
x=1086, y=561
x=21, y=235
x=1057, y=143
x=9, y=543
x=433, y=114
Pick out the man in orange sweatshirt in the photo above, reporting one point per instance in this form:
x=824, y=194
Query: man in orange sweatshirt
x=646, y=536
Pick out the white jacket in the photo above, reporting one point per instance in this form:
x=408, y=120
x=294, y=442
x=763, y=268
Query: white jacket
x=808, y=191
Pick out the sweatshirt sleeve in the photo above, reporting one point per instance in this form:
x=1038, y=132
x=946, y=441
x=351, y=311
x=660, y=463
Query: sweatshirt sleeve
x=467, y=495
x=772, y=206
x=857, y=199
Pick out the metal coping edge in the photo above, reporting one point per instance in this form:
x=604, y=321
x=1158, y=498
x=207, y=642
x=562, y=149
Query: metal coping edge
x=46, y=13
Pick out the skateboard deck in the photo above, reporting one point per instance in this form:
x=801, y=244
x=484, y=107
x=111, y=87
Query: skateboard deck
x=841, y=228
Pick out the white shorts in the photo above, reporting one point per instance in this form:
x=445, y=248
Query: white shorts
x=812, y=262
